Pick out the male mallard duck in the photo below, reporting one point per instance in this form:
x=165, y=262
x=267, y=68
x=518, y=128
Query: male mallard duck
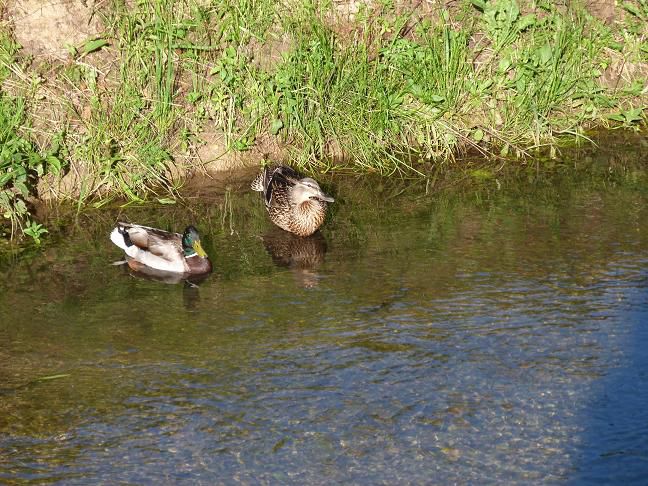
x=294, y=203
x=162, y=250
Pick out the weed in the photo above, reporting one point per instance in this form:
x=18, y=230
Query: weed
x=503, y=21
x=638, y=8
x=629, y=118
x=21, y=165
x=35, y=231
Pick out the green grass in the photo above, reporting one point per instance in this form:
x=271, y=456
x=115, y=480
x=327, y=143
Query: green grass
x=22, y=164
x=393, y=102
x=125, y=138
x=390, y=92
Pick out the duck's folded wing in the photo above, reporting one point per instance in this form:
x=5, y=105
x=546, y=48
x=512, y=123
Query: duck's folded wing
x=162, y=244
x=285, y=173
x=160, y=262
x=166, y=248
x=281, y=176
x=142, y=235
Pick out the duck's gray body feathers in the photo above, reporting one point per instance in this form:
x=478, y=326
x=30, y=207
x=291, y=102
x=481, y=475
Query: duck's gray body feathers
x=294, y=203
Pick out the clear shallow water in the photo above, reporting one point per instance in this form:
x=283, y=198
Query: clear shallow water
x=474, y=336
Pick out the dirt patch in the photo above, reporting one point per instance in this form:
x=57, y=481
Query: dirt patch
x=622, y=73
x=266, y=55
x=212, y=154
x=212, y=187
x=604, y=10
x=47, y=28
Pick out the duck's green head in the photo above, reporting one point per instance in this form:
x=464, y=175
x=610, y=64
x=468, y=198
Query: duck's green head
x=191, y=242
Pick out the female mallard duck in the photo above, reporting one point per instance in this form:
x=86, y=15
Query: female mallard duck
x=294, y=203
x=162, y=250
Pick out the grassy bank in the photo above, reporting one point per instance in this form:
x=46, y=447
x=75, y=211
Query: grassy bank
x=163, y=88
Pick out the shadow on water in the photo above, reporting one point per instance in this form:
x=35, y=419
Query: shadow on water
x=483, y=331
x=615, y=440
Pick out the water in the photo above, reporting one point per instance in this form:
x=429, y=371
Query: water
x=490, y=332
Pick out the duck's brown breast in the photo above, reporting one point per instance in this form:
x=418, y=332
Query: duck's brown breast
x=197, y=265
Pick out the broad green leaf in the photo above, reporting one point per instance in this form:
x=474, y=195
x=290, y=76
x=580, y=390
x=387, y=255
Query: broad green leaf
x=480, y=4
x=526, y=22
x=54, y=164
x=632, y=9
x=617, y=117
x=166, y=200
x=4, y=178
x=275, y=126
x=504, y=65
x=20, y=207
x=483, y=85
x=481, y=174
x=545, y=53
x=94, y=45
x=22, y=188
x=194, y=96
x=617, y=46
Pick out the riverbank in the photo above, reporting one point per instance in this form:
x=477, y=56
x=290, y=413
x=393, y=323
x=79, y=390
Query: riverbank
x=103, y=101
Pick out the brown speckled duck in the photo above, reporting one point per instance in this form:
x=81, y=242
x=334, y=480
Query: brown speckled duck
x=162, y=250
x=294, y=203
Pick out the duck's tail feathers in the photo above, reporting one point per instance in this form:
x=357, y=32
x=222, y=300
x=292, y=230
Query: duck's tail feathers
x=258, y=182
x=119, y=236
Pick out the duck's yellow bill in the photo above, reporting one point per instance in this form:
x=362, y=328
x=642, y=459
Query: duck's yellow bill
x=199, y=249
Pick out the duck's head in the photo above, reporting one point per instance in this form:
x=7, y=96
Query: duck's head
x=306, y=189
x=191, y=243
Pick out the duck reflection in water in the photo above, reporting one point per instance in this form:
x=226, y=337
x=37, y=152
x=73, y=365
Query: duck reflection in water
x=190, y=289
x=147, y=273
x=303, y=255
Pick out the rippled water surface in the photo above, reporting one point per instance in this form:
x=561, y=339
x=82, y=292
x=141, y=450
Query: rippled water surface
x=494, y=332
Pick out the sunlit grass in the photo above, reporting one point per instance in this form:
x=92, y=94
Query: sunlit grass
x=388, y=92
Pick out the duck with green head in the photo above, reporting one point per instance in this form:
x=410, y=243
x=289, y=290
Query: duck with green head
x=162, y=250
